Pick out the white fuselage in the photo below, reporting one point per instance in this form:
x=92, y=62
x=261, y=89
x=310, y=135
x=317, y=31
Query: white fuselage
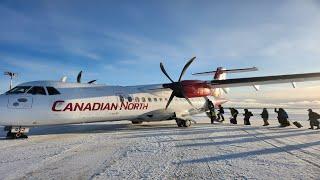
x=85, y=103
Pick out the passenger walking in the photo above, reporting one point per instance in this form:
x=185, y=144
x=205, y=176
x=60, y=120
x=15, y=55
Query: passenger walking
x=212, y=111
x=313, y=118
x=247, y=115
x=220, y=114
x=265, y=116
x=234, y=115
x=282, y=117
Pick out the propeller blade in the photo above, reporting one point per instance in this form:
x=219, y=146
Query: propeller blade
x=165, y=72
x=186, y=67
x=170, y=99
x=79, y=77
x=188, y=100
x=90, y=82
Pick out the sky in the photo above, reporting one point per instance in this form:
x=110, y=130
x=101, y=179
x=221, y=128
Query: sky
x=123, y=42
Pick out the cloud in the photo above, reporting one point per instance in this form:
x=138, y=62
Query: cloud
x=30, y=68
x=54, y=38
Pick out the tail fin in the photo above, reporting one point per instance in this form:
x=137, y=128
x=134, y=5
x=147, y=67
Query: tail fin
x=219, y=74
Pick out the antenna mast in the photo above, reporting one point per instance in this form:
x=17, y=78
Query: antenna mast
x=11, y=75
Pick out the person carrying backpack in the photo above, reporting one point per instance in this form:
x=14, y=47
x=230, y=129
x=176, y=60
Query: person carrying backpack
x=247, y=115
x=282, y=117
x=234, y=115
x=220, y=114
x=313, y=118
x=212, y=111
x=265, y=116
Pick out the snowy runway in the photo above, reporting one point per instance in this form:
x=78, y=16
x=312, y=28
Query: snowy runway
x=161, y=151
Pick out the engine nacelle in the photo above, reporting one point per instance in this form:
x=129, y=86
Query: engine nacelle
x=193, y=89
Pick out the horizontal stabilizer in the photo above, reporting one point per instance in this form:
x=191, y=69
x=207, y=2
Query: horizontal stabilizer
x=288, y=78
x=227, y=71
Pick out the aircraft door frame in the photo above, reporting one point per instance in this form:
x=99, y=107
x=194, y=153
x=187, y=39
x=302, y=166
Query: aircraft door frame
x=119, y=91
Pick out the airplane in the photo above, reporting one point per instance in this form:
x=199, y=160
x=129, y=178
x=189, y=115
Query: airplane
x=40, y=103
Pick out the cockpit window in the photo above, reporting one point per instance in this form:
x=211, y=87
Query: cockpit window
x=52, y=91
x=37, y=90
x=19, y=90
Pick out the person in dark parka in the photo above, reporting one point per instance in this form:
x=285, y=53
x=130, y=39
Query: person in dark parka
x=212, y=111
x=220, y=114
x=313, y=118
x=247, y=115
x=282, y=117
x=265, y=116
x=234, y=114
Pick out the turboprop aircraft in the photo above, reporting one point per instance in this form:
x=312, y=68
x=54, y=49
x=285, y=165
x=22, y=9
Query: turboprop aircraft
x=41, y=103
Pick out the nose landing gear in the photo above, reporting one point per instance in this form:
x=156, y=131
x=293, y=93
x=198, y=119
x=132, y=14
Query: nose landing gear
x=183, y=123
x=16, y=132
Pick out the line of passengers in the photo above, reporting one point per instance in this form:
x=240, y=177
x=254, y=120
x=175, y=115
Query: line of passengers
x=282, y=116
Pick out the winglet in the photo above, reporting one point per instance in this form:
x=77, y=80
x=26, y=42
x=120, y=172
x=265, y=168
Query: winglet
x=64, y=79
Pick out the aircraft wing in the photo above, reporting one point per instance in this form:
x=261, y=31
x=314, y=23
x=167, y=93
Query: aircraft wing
x=241, y=82
x=253, y=81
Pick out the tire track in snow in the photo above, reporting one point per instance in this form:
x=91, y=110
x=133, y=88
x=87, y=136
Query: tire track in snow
x=284, y=150
x=102, y=173
x=24, y=173
x=294, y=140
x=150, y=149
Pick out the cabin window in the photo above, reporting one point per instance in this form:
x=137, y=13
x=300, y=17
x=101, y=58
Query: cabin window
x=121, y=98
x=160, y=99
x=143, y=99
x=19, y=90
x=166, y=99
x=37, y=90
x=52, y=91
x=149, y=99
x=155, y=99
x=136, y=99
x=130, y=99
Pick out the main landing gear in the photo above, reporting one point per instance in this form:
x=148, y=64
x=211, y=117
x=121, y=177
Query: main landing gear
x=183, y=123
x=16, y=132
x=136, y=122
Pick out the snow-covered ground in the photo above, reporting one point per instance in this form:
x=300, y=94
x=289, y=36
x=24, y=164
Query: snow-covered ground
x=160, y=150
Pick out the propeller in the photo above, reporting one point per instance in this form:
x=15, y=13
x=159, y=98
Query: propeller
x=176, y=87
x=79, y=78
x=91, y=82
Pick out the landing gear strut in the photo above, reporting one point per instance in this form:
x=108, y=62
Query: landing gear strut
x=183, y=123
x=16, y=132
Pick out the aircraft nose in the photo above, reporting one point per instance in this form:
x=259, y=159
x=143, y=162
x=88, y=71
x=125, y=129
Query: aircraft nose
x=3, y=99
x=3, y=104
x=3, y=109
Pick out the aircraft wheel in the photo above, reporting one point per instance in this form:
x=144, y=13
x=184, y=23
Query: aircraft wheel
x=179, y=123
x=10, y=135
x=18, y=135
x=187, y=123
x=136, y=122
